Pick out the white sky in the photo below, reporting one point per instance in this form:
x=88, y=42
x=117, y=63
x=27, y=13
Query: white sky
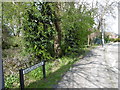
x=114, y=22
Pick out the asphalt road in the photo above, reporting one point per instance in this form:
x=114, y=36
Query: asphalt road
x=99, y=69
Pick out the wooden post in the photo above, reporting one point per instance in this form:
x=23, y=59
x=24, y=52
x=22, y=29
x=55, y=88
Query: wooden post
x=44, y=72
x=1, y=61
x=1, y=74
x=88, y=40
x=21, y=79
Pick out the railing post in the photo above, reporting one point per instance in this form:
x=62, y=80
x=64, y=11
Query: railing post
x=44, y=72
x=21, y=79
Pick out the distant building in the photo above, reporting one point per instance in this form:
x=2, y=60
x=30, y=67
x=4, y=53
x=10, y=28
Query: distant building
x=111, y=35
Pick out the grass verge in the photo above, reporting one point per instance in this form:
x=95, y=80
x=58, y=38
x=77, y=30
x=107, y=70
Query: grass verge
x=55, y=71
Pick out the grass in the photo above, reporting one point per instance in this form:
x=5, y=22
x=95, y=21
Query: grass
x=56, y=70
x=53, y=78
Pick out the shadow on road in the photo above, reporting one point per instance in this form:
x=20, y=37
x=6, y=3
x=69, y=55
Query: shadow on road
x=90, y=72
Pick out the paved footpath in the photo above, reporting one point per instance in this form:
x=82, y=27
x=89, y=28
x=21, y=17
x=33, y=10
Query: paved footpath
x=99, y=69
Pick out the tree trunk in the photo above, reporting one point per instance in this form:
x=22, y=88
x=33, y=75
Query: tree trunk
x=57, y=39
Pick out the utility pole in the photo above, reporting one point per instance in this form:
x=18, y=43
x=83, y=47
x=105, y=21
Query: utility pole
x=1, y=62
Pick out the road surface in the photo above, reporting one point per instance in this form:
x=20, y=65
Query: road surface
x=99, y=69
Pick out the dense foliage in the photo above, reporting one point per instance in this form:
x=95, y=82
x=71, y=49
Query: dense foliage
x=76, y=25
x=39, y=31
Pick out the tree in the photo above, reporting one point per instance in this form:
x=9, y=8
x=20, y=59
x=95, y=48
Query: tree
x=76, y=22
x=13, y=22
x=102, y=11
x=39, y=30
x=58, y=36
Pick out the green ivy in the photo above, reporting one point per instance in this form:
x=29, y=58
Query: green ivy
x=39, y=31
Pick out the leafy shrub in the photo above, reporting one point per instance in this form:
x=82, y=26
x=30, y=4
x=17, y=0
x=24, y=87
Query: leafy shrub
x=117, y=40
x=11, y=80
x=38, y=31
